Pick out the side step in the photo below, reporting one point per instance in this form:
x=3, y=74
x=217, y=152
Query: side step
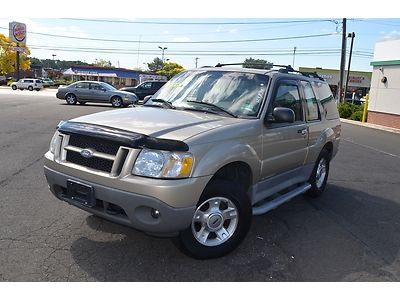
x=270, y=205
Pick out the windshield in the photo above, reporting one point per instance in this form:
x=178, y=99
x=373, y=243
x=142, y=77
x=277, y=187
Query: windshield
x=237, y=92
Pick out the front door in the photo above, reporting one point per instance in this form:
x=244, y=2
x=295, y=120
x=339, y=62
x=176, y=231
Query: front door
x=284, y=144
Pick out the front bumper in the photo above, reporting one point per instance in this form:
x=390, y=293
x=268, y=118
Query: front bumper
x=136, y=207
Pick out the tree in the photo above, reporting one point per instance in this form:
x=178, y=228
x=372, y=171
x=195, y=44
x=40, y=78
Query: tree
x=257, y=64
x=155, y=65
x=8, y=56
x=170, y=69
x=103, y=63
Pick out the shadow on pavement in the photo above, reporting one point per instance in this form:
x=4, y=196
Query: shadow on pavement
x=346, y=235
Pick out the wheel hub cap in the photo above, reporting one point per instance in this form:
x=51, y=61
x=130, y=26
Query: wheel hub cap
x=215, y=221
x=321, y=173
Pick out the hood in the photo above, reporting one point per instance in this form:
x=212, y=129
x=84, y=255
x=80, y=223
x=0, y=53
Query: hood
x=159, y=122
x=123, y=93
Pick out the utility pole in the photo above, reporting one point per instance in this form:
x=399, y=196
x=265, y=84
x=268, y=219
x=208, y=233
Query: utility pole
x=196, y=61
x=351, y=35
x=294, y=53
x=342, y=61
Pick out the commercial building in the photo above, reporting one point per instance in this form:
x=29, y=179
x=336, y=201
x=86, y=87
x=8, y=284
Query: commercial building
x=358, y=85
x=117, y=77
x=384, y=100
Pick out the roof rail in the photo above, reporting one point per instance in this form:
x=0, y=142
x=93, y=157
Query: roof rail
x=284, y=69
x=287, y=67
x=312, y=75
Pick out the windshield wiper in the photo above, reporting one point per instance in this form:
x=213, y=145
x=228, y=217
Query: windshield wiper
x=168, y=104
x=215, y=106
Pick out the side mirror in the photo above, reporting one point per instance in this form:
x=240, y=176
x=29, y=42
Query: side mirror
x=283, y=115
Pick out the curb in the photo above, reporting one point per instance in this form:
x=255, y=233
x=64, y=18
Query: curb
x=369, y=125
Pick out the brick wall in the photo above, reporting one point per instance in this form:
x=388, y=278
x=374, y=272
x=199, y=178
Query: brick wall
x=384, y=119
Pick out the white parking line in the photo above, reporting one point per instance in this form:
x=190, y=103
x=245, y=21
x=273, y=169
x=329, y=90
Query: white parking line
x=369, y=147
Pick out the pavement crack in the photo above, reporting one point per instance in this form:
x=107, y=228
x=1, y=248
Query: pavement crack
x=8, y=179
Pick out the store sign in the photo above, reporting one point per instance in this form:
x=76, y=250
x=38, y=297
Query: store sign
x=17, y=32
x=20, y=49
x=356, y=79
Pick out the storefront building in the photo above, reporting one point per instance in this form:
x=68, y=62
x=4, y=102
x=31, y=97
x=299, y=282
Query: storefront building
x=384, y=100
x=117, y=77
x=358, y=85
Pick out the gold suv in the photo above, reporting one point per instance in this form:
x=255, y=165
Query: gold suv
x=213, y=147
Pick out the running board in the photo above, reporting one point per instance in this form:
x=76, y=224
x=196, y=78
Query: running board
x=270, y=205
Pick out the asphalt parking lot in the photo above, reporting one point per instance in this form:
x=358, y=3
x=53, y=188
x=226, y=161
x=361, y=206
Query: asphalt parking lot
x=351, y=233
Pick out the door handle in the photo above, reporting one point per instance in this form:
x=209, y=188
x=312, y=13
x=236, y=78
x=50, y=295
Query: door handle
x=303, y=132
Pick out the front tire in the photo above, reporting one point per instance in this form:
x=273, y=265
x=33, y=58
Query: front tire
x=220, y=222
x=319, y=175
x=71, y=99
x=117, y=102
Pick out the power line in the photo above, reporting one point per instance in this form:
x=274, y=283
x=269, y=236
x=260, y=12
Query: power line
x=199, y=23
x=186, y=42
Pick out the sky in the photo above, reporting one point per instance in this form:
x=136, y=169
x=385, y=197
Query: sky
x=184, y=42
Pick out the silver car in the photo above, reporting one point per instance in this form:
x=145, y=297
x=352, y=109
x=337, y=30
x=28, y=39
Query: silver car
x=94, y=91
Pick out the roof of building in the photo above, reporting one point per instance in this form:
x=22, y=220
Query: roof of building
x=102, y=71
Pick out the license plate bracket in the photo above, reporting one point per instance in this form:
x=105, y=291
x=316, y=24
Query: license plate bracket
x=80, y=193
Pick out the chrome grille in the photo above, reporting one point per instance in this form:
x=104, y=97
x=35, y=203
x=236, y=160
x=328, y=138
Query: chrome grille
x=107, y=157
x=100, y=145
x=96, y=163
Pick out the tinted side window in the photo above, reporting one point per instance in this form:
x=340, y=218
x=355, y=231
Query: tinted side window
x=96, y=86
x=288, y=96
x=312, y=111
x=82, y=85
x=147, y=85
x=324, y=95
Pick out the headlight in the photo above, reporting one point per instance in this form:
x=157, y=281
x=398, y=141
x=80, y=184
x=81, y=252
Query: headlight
x=163, y=164
x=53, y=142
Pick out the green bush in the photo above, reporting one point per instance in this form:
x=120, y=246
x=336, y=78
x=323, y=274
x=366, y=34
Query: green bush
x=351, y=111
x=10, y=81
x=346, y=110
x=357, y=115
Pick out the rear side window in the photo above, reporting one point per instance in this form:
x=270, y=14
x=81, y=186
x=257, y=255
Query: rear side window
x=324, y=95
x=82, y=85
x=312, y=111
x=38, y=81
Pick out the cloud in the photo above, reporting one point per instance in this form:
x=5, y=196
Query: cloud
x=182, y=39
x=33, y=26
x=233, y=30
x=392, y=35
x=166, y=32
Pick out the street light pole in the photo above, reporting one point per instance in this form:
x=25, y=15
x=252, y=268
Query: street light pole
x=294, y=54
x=342, y=61
x=351, y=35
x=162, y=55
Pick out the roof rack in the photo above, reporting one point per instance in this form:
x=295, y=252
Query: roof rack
x=284, y=69
x=311, y=74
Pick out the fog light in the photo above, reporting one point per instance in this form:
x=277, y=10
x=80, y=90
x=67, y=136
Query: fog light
x=155, y=213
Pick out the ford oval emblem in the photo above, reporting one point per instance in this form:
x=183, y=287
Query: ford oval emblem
x=87, y=153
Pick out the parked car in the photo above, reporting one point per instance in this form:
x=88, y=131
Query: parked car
x=3, y=80
x=27, y=84
x=212, y=148
x=144, y=89
x=94, y=91
x=47, y=82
